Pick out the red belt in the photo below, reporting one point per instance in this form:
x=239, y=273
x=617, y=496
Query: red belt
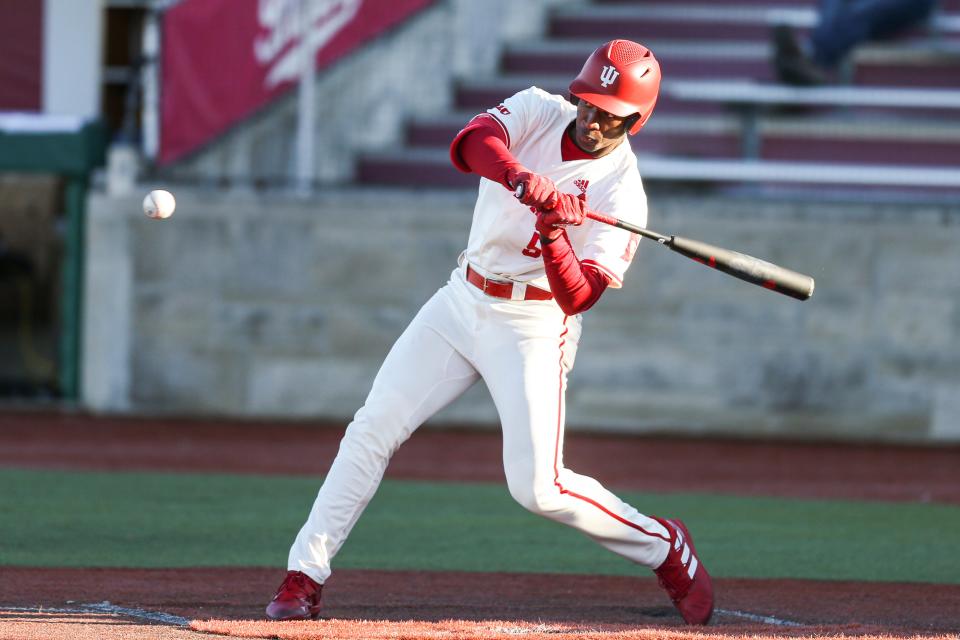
x=501, y=289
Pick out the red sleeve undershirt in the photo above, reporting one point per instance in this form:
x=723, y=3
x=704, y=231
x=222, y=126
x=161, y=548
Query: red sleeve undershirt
x=481, y=148
x=575, y=287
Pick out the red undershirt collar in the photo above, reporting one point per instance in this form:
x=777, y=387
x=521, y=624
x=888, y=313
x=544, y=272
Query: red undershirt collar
x=569, y=151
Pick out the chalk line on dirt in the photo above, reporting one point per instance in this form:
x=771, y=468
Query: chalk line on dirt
x=758, y=618
x=169, y=618
x=106, y=607
x=513, y=630
x=155, y=616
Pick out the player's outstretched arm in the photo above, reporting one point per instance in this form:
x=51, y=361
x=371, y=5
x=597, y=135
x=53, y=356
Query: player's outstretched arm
x=481, y=148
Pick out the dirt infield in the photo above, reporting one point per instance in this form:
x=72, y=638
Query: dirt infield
x=467, y=605
x=794, y=607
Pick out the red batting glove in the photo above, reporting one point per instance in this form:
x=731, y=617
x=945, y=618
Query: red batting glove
x=547, y=232
x=570, y=210
x=538, y=191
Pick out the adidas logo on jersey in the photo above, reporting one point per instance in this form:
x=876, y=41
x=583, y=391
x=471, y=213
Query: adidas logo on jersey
x=582, y=185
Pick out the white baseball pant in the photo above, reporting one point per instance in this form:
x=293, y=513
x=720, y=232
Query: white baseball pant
x=523, y=350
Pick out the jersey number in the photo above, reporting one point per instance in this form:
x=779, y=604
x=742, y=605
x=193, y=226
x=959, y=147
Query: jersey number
x=532, y=250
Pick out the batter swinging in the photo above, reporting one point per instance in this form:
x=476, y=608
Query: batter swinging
x=510, y=314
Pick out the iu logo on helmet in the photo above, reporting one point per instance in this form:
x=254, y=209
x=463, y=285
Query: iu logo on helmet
x=608, y=75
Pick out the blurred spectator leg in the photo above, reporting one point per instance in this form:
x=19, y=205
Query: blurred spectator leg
x=842, y=25
x=792, y=64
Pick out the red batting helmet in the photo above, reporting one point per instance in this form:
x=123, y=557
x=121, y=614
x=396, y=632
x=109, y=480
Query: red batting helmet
x=622, y=78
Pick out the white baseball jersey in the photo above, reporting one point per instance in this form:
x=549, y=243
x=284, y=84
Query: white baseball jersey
x=503, y=240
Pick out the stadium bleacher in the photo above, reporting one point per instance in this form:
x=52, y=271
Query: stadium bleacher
x=891, y=122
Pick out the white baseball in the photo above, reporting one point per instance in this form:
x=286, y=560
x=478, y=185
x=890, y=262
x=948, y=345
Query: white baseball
x=159, y=204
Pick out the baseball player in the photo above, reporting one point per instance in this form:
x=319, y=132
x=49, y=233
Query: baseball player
x=510, y=314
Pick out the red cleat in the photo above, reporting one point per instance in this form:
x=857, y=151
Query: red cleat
x=298, y=598
x=684, y=577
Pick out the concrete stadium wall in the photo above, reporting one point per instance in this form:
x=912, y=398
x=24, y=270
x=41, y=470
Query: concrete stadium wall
x=262, y=305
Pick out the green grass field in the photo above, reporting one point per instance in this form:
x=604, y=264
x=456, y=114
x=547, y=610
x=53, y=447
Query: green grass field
x=81, y=519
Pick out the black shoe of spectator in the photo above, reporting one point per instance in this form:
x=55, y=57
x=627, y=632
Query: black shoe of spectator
x=791, y=63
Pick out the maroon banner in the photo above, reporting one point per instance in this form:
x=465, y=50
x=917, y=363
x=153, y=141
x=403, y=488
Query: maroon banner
x=224, y=59
x=21, y=55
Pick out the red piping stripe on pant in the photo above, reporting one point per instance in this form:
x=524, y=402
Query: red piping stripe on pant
x=556, y=453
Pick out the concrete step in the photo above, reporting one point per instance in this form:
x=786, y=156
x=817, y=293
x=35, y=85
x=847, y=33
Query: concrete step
x=937, y=70
x=712, y=96
x=414, y=168
x=660, y=21
x=916, y=65
x=481, y=93
x=697, y=137
x=678, y=59
x=866, y=141
x=888, y=165
x=846, y=146
x=847, y=180
x=674, y=22
x=755, y=96
x=943, y=180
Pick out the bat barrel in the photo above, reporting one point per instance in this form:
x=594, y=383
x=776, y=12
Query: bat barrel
x=753, y=270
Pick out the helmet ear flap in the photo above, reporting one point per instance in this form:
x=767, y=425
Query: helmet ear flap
x=631, y=125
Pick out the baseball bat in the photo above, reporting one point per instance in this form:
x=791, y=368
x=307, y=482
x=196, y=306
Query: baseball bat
x=739, y=265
